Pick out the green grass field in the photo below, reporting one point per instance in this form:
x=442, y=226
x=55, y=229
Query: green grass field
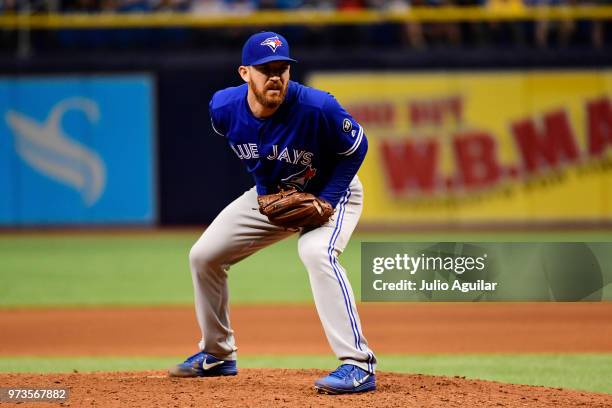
x=49, y=270
x=152, y=269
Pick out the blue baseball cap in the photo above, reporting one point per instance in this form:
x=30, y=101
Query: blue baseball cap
x=265, y=47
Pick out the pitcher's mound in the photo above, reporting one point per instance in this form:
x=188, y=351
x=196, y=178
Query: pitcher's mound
x=292, y=388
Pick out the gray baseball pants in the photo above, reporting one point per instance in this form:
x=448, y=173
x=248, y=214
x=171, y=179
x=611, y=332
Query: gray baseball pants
x=239, y=231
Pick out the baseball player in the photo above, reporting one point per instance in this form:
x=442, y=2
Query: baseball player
x=292, y=139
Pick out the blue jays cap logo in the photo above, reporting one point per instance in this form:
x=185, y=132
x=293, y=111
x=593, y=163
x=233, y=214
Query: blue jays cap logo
x=265, y=47
x=272, y=42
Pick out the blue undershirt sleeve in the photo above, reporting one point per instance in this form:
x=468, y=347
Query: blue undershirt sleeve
x=343, y=173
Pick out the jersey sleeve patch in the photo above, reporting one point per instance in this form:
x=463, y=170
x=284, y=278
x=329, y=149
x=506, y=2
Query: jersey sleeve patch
x=347, y=125
x=358, y=139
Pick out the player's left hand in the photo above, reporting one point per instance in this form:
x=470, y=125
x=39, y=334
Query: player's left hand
x=295, y=209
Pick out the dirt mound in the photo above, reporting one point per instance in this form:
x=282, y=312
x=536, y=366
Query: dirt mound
x=291, y=388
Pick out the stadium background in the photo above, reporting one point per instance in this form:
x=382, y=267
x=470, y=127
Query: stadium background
x=107, y=159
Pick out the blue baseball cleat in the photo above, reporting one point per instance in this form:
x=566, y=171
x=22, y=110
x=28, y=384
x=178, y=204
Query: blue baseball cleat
x=203, y=365
x=346, y=379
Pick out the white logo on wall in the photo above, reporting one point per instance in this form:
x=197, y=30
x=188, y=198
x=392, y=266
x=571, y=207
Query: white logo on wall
x=46, y=148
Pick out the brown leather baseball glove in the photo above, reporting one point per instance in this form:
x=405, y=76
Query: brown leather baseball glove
x=294, y=209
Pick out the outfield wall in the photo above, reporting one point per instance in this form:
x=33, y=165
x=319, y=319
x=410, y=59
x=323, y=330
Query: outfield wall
x=457, y=137
x=77, y=149
x=524, y=146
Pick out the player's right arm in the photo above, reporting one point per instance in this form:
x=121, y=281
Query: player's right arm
x=217, y=117
x=222, y=110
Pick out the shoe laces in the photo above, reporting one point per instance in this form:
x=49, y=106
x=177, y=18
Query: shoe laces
x=343, y=371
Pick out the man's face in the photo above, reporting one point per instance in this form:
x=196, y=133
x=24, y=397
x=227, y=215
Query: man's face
x=269, y=82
